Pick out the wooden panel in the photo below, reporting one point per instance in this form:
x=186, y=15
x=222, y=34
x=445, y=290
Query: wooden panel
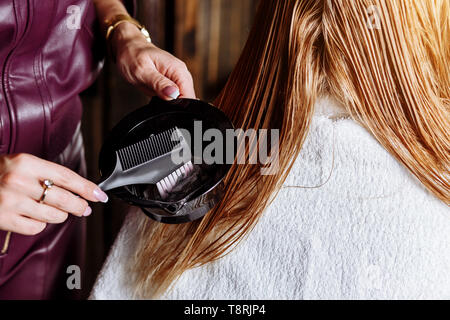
x=209, y=37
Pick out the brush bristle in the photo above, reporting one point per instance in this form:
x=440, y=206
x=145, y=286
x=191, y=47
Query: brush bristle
x=166, y=185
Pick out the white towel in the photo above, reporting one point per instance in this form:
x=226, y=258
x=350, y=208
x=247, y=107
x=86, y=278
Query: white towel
x=370, y=231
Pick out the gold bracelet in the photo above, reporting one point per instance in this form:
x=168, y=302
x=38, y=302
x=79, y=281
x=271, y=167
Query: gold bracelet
x=122, y=18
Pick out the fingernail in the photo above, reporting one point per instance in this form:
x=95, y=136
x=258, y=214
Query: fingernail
x=171, y=92
x=100, y=195
x=88, y=212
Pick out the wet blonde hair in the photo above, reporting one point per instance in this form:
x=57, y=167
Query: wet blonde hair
x=387, y=63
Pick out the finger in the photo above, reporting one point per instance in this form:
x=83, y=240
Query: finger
x=25, y=226
x=147, y=90
x=60, y=199
x=68, y=202
x=67, y=179
x=164, y=87
x=183, y=78
x=42, y=212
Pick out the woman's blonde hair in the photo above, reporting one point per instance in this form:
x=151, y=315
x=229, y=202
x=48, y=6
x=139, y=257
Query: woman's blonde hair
x=387, y=61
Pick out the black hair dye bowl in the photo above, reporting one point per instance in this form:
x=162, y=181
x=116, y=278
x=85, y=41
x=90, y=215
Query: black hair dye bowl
x=194, y=196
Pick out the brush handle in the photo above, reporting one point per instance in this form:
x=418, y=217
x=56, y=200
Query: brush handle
x=158, y=169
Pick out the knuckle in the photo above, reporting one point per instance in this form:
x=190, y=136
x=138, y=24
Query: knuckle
x=55, y=216
x=65, y=176
x=63, y=200
x=34, y=228
x=76, y=206
x=136, y=71
x=80, y=207
x=141, y=61
x=87, y=190
x=180, y=64
x=9, y=200
x=21, y=159
x=60, y=217
x=10, y=179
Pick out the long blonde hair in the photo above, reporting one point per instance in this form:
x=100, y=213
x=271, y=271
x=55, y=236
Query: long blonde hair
x=387, y=63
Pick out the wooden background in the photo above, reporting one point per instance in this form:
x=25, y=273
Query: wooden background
x=209, y=36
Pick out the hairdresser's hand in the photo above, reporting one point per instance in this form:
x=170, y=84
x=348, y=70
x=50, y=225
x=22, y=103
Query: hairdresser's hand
x=154, y=71
x=21, y=179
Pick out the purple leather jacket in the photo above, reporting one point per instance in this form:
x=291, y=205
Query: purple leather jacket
x=46, y=58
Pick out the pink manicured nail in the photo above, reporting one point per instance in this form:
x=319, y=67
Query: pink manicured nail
x=100, y=195
x=88, y=212
x=171, y=92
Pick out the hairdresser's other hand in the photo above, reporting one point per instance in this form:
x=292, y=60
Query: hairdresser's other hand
x=154, y=71
x=21, y=188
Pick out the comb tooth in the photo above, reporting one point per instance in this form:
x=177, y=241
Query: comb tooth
x=131, y=156
x=158, y=145
x=172, y=144
x=179, y=173
x=134, y=155
x=166, y=142
x=121, y=157
x=125, y=159
x=163, y=143
x=149, y=149
x=152, y=143
x=128, y=157
x=183, y=171
x=167, y=136
x=142, y=153
x=164, y=138
x=148, y=145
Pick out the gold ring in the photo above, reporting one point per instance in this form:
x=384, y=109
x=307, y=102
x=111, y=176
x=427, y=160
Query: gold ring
x=47, y=185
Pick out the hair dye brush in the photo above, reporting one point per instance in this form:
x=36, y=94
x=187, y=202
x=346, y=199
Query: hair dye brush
x=150, y=161
x=147, y=160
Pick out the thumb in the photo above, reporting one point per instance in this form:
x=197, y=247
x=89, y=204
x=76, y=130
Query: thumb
x=162, y=86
